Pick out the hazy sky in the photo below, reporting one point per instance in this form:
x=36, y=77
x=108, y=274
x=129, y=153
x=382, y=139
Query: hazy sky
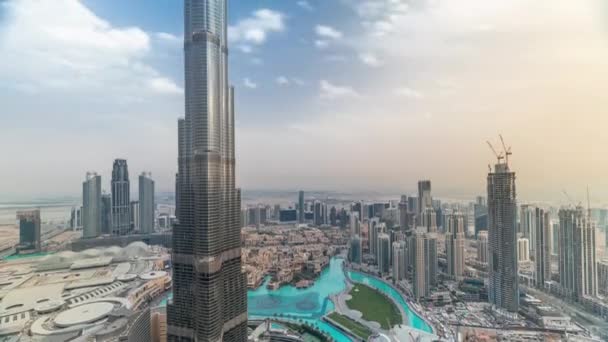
x=331, y=94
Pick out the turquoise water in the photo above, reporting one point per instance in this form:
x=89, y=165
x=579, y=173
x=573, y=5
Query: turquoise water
x=310, y=304
x=413, y=319
x=25, y=256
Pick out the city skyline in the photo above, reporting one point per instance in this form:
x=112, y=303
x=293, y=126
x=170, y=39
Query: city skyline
x=348, y=74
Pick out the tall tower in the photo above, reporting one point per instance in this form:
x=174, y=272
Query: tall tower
x=146, y=203
x=502, y=238
x=121, y=203
x=106, y=213
x=577, y=259
x=542, y=256
x=454, y=245
x=424, y=197
x=301, y=212
x=384, y=253
x=29, y=230
x=91, y=206
x=209, y=288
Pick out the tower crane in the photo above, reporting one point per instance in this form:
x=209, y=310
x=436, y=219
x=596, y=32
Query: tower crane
x=499, y=156
x=505, y=149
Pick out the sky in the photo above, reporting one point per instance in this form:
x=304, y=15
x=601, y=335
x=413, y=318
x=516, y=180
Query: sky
x=345, y=95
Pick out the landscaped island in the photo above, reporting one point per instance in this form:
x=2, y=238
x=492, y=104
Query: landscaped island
x=374, y=306
x=354, y=327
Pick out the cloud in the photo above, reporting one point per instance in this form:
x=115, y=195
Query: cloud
x=249, y=83
x=330, y=91
x=244, y=48
x=328, y=32
x=321, y=44
x=282, y=81
x=256, y=28
x=168, y=37
x=325, y=35
x=408, y=92
x=63, y=47
x=381, y=16
x=287, y=81
x=165, y=86
x=305, y=5
x=335, y=58
x=370, y=59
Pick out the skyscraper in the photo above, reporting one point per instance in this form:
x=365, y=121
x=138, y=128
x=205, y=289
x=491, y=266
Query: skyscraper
x=354, y=254
x=91, y=206
x=527, y=222
x=355, y=226
x=398, y=261
x=146, y=203
x=384, y=253
x=135, y=216
x=542, y=256
x=429, y=220
x=424, y=275
x=301, y=211
x=373, y=224
x=424, y=197
x=482, y=247
x=121, y=203
x=503, y=289
x=106, y=213
x=454, y=245
x=577, y=259
x=209, y=288
x=29, y=230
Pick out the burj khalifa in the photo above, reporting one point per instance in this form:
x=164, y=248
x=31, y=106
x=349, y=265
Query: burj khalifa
x=209, y=287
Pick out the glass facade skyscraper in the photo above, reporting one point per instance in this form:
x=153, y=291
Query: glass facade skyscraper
x=91, y=206
x=146, y=203
x=502, y=239
x=121, y=203
x=209, y=288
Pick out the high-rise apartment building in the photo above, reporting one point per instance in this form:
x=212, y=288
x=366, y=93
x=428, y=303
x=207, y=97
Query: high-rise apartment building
x=542, y=250
x=135, y=216
x=424, y=275
x=355, y=225
x=523, y=249
x=527, y=225
x=454, y=245
x=384, y=253
x=429, y=220
x=373, y=226
x=106, y=214
x=91, y=206
x=29, y=230
x=209, y=288
x=577, y=258
x=355, y=252
x=425, y=200
x=503, y=289
x=398, y=261
x=121, y=203
x=146, y=203
x=482, y=247
x=301, y=211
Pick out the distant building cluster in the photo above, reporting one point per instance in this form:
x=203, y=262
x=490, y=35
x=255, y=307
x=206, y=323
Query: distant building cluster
x=115, y=213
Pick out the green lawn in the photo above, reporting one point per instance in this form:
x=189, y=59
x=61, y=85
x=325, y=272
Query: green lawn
x=355, y=327
x=374, y=306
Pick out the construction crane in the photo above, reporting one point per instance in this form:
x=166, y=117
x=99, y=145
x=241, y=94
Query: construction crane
x=499, y=156
x=505, y=149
